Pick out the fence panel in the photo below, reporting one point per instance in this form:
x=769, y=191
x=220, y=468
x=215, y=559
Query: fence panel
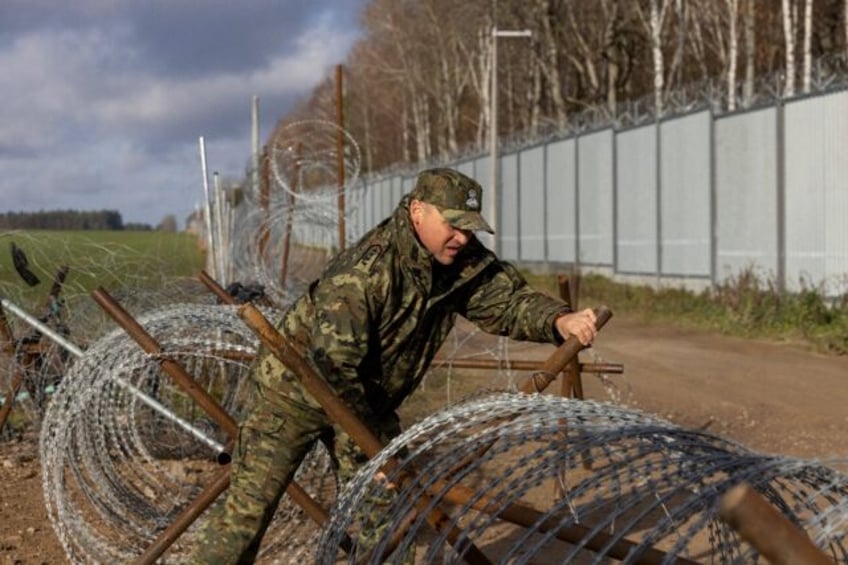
x=685, y=200
x=817, y=192
x=531, y=211
x=746, y=194
x=636, y=201
x=707, y=205
x=508, y=208
x=594, y=197
x=561, y=197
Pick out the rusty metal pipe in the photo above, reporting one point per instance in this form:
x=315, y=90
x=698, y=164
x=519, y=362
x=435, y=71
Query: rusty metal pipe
x=572, y=381
x=211, y=406
x=193, y=511
x=345, y=417
x=215, y=288
x=525, y=365
x=522, y=515
x=341, y=414
x=186, y=518
x=8, y=346
x=183, y=379
x=340, y=162
x=770, y=532
x=294, y=490
x=560, y=358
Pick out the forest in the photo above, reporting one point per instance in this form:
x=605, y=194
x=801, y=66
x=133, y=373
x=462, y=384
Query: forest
x=418, y=83
x=62, y=220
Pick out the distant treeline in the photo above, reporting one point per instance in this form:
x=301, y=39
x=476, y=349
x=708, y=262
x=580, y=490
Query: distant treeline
x=67, y=220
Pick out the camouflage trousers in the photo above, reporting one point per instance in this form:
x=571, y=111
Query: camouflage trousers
x=273, y=440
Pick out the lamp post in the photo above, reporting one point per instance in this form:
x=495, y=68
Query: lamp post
x=493, y=130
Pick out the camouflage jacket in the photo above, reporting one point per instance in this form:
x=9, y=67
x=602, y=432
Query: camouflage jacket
x=380, y=311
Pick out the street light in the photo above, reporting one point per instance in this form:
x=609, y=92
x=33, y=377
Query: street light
x=493, y=130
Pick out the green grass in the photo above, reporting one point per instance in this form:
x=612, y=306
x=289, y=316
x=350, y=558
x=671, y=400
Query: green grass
x=111, y=259
x=745, y=306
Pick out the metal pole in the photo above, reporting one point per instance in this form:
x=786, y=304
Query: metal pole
x=290, y=199
x=207, y=213
x=494, y=208
x=8, y=345
x=770, y=532
x=264, y=202
x=169, y=366
x=254, y=144
x=77, y=352
x=340, y=162
x=524, y=365
x=220, y=256
x=559, y=358
x=493, y=144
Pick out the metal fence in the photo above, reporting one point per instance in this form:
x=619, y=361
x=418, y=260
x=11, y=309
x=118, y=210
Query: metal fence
x=694, y=200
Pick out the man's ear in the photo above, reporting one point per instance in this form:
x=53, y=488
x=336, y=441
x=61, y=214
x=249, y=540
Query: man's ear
x=416, y=210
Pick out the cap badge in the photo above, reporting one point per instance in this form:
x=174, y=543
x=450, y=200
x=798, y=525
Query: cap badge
x=472, y=201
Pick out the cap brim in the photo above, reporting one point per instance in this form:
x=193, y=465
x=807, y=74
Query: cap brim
x=465, y=220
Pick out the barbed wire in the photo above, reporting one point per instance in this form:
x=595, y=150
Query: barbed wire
x=628, y=476
x=141, y=279
x=828, y=73
x=117, y=472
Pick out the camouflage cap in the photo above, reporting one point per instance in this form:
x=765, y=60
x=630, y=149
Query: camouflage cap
x=457, y=197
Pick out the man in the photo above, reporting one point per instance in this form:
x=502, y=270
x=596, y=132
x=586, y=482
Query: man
x=370, y=326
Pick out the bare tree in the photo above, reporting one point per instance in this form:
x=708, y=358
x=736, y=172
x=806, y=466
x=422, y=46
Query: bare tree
x=419, y=82
x=549, y=57
x=654, y=23
x=808, y=39
x=750, y=52
x=732, y=52
x=789, y=25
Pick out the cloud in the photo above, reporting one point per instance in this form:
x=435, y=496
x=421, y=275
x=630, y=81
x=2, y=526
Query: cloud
x=104, y=100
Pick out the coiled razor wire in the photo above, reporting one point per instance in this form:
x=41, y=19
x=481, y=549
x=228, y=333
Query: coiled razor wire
x=624, y=473
x=124, y=450
x=296, y=229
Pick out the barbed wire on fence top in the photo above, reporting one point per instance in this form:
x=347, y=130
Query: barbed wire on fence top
x=828, y=73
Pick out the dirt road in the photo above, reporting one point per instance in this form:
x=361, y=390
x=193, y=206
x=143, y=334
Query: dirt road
x=775, y=398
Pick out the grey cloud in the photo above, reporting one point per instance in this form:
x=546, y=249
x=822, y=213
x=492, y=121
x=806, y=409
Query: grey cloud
x=104, y=100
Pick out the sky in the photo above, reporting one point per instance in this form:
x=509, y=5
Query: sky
x=103, y=102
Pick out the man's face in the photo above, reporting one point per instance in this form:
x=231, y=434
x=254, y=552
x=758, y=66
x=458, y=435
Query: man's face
x=434, y=232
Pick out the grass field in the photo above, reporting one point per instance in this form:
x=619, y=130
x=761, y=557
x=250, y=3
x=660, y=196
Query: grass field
x=744, y=306
x=111, y=259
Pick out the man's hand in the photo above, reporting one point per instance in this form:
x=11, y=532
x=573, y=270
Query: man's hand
x=579, y=324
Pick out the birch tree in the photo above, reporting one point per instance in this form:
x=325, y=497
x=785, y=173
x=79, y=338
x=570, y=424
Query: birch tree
x=789, y=14
x=654, y=23
x=732, y=52
x=749, y=26
x=808, y=39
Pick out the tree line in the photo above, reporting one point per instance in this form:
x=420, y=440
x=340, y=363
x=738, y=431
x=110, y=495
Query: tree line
x=417, y=85
x=66, y=220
